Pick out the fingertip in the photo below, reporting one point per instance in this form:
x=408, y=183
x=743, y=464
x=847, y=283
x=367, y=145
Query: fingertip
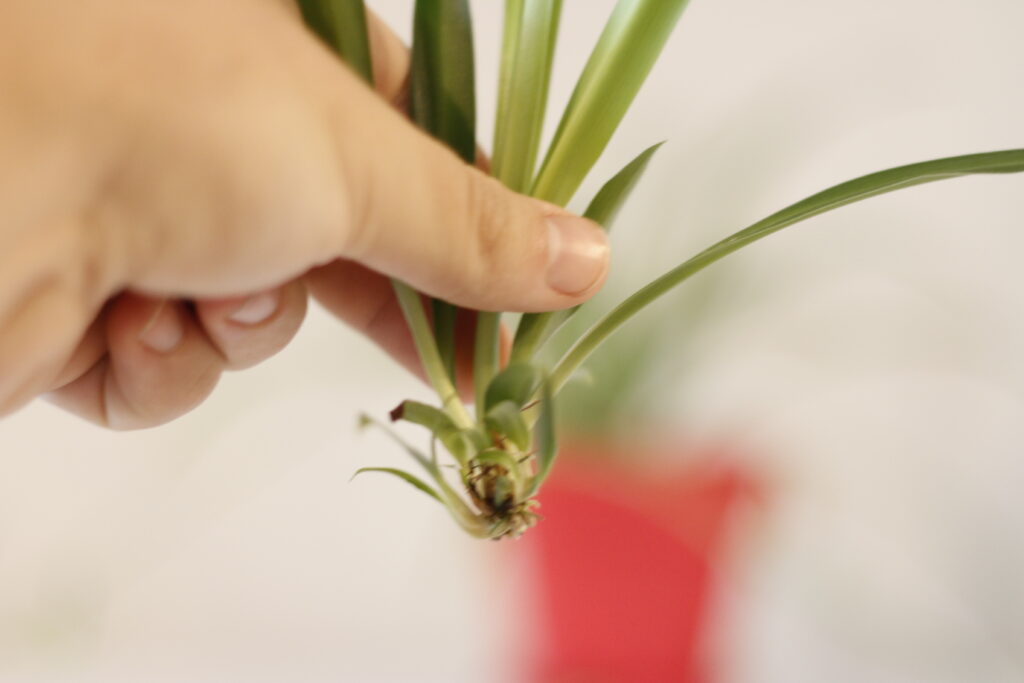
x=255, y=310
x=160, y=364
x=248, y=330
x=164, y=328
x=578, y=256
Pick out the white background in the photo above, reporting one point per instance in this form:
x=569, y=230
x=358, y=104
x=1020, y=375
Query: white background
x=870, y=363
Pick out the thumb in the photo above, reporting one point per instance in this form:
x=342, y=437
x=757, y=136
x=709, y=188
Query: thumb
x=418, y=213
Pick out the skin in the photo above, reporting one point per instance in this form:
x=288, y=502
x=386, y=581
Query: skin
x=176, y=177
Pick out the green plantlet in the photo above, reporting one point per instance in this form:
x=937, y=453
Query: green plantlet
x=506, y=449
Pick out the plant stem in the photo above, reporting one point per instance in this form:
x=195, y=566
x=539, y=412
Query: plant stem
x=412, y=307
x=445, y=317
x=443, y=103
x=529, y=335
x=527, y=54
x=485, y=356
x=342, y=25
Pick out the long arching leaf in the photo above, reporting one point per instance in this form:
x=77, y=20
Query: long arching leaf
x=872, y=185
x=406, y=477
x=460, y=511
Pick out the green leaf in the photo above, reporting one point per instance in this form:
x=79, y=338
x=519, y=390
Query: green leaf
x=874, y=184
x=531, y=332
x=544, y=433
x=442, y=85
x=471, y=522
x=536, y=328
x=445, y=318
x=605, y=206
x=405, y=476
x=426, y=463
x=434, y=419
x=411, y=304
x=624, y=55
x=527, y=53
x=440, y=425
x=486, y=355
x=342, y=25
x=522, y=96
x=516, y=383
x=506, y=419
x=494, y=456
x=528, y=46
x=444, y=104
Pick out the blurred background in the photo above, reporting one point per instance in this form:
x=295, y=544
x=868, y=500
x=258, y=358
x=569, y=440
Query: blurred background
x=816, y=475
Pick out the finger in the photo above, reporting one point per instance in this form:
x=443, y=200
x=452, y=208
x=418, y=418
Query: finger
x=389, y=57
x=391, y=71
x=159, y=365
x=37, y=336
x=417, y=212
x=89, y=351
x=366, y=301
x=248, y=330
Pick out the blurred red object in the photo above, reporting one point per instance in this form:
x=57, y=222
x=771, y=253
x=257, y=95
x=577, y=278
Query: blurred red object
x=626, y=558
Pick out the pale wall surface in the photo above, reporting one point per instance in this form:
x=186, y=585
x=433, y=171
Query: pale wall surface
x=873, y=361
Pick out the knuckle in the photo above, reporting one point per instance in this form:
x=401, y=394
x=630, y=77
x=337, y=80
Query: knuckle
x=489, y=228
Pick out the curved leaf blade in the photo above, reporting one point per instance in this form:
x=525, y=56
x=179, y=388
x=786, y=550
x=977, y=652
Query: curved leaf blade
x=440, y=425
x=406, y=477
x=426, y=463
x=864, y=187
x=605, y=206
x=516, y=383
x=546, y=442
x=459, y=510
x=623, y=57
x=415, y=315
x=506, y=419
x=536, y=328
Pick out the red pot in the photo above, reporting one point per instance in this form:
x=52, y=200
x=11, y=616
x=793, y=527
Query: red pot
x=627, y=558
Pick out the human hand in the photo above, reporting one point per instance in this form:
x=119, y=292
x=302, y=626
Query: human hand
x=174, y=175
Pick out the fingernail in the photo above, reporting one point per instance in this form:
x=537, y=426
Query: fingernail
x=164, y=330
x=257, y=308
x=577, y=254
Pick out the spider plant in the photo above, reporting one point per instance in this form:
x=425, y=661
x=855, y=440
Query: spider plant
x=505, y=448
